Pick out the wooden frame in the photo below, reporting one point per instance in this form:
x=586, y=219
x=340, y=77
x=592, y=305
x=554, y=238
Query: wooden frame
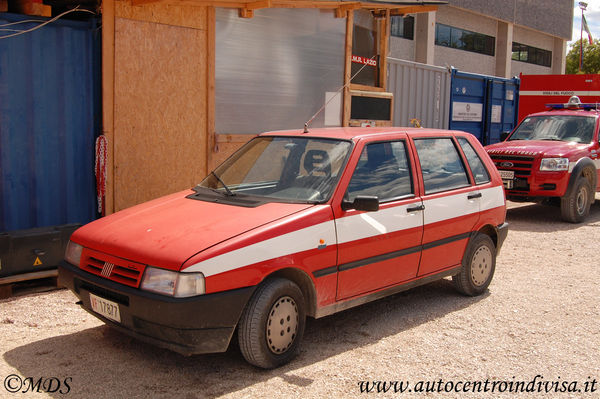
x=371, y=94
x=175, y=14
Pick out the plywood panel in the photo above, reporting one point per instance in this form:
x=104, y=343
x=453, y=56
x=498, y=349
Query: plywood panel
x=162, y=13
x=227, y=144
x=160, y=109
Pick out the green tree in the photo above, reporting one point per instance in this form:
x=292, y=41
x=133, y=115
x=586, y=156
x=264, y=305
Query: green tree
x=591, y=57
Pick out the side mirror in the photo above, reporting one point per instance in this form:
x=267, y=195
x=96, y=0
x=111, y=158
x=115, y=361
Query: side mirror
x=366, y=203
x=504, y=136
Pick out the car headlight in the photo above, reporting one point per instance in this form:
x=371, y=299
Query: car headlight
x=167, y=282
x=554, y=164
x=73, y=253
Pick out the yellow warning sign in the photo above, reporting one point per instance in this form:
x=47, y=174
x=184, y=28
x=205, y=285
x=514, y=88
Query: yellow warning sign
x=37, y=262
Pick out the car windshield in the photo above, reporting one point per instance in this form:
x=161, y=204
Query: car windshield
x=293, y=169
x=571, y=128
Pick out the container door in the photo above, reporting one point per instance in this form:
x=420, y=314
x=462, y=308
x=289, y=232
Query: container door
x=501, y=106
x=467, y=103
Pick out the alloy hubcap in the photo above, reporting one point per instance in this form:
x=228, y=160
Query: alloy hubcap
x=282, y=325
x=481, y=265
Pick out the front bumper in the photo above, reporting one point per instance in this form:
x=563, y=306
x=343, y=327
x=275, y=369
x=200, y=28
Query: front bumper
x=540, y=185
x=195, y=325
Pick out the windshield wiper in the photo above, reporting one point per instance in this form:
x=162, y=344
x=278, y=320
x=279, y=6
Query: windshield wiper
x=229, y=192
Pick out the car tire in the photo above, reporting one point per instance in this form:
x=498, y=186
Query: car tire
x=272, y=325
x=478, y=266
x=575, y=206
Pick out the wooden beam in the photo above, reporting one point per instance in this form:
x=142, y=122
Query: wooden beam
x=412, y=10
x=342, y=11
x=256, y=5
x=348, y=68
x=246, y=13
x=211, y=144
x=108, y=99
x=143, y=2
x=248, y=10
x=341, y=7
x=384, y=39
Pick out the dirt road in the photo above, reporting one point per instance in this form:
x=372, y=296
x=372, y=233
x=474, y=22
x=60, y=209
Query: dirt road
x=537, y=324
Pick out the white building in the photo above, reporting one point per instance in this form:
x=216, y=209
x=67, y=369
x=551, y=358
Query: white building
x=492, y=37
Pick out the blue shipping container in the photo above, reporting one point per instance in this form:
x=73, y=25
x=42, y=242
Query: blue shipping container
x=50, y=113
x=484, y=106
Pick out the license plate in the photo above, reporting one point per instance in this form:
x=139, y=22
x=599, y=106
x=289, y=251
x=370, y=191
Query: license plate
x=106, y=308
x=507, y=174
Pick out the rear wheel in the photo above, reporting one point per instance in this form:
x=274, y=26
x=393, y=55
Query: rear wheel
x=478, y=266
x=272, y=324
x=575, y=206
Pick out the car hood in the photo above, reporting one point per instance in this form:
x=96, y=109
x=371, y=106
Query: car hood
x=535, y=148
x=167, y=231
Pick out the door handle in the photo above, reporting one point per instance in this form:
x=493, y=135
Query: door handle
x=416, y=208
x=474, y=195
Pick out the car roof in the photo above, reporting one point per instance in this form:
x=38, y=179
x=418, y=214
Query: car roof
x=357, y=133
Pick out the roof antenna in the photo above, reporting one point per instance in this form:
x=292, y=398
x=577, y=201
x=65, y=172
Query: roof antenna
x=332, y=97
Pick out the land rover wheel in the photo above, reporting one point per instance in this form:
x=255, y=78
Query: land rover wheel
x=478, y=265
x=574, y=207
x=272, y=325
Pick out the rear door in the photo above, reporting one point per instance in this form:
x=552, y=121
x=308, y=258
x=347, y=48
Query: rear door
x=451, y=203
x=382, y=248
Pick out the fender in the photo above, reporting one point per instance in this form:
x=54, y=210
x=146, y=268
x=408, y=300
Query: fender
x=577, y=171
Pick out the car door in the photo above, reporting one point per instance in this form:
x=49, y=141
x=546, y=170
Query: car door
x=451, y=203
x=381, y=248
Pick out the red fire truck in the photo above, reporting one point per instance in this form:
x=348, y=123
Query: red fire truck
x=538, y=90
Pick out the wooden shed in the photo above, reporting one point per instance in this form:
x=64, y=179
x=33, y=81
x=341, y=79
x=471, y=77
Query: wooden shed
x=185, y=82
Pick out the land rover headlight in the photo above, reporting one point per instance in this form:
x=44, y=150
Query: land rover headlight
x=167, y=282
x=73, y=253
x=554, y=164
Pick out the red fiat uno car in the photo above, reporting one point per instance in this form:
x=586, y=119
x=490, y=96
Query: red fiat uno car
x=293, y=225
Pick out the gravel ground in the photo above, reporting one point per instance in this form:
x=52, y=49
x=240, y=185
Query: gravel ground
x=539, y=318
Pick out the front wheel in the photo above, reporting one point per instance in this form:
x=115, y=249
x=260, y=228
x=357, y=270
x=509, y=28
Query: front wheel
x=272, y=325
x=575, y=206
x=478, y=266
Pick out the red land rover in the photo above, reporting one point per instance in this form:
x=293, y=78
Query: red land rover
x=293, y=225
x=553, y=155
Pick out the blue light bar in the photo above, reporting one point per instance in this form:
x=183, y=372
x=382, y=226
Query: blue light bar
x=584, y=106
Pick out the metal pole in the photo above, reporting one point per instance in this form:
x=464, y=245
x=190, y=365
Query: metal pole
x=582, y=6
x=581, y=42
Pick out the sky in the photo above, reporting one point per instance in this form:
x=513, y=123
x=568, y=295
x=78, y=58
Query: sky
x=592, y=16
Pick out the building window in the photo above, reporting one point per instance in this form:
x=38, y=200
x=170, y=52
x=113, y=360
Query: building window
x=449, y=36
x=531, y=55
x=403, y=27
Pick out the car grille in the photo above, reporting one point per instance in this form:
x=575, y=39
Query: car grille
x=521, y=165
x=116, y=269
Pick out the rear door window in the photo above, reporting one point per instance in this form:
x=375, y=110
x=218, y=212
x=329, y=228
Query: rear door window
x=441, y=165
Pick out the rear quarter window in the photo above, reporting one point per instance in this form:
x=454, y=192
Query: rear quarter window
x=441, y=165
x=478, y=169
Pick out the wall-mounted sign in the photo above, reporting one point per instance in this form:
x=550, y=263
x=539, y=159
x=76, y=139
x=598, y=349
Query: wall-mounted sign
x=467, y=112
x=364, y=60
x=496, y=113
